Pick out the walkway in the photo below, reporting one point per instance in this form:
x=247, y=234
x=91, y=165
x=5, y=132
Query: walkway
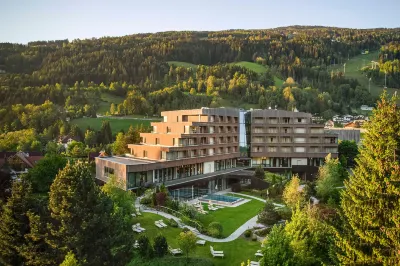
x=247, y=225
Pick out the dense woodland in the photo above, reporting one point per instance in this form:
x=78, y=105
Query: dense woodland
x=44, y=84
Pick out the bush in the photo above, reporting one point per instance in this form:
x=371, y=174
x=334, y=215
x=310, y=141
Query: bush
x=160, y=246
x=145, y=249
x=285, y=213
x=188, y=210
x=173, y=204
x=254, y=238
x=185, y=229
x=171, y=222
x=215, y=229
x=263, y=232
x=269, y=215
x=145, y=201
x=247, y=233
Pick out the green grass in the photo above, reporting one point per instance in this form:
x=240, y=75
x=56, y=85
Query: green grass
x=106, y=101
x=182, y=64
x=259, y=69
x=232, y=218
x=353, y=70
x=278, y=81
x=116, y=124
x=235, y=251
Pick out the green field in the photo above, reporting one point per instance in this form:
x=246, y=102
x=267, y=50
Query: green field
x=116, y=123
x=232, y=218
x=259, y=69
x=182, y=64
x=106, y=101
x=235, y=251
x=353, y=70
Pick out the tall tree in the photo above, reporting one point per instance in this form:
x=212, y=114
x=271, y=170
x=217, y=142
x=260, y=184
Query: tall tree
x=120, y=146
x=43, y=173
x=293, y=194
x=371, y=200
x=84, y=220
x=14, y=224
x=105, y=133
x=349, y=150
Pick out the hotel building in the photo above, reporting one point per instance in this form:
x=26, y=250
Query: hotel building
x=203, y=147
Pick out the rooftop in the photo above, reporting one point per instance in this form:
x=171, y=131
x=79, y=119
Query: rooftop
x=127, y=160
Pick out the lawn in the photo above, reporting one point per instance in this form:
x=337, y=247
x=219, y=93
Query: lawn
x=116, y=123
x=106, y=101
x=232, y=218
x=353, y=67
x=235, y=251
x=182, y=64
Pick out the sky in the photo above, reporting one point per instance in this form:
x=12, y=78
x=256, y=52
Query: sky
x=22, y=21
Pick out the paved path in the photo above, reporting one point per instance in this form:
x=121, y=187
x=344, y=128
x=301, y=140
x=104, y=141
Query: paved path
x=247, y=225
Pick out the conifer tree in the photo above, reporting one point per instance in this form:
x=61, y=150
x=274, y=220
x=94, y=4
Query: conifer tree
x=14, y=224
x=371, y=200
x=84, y=220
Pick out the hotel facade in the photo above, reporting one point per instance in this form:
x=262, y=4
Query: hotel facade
x=205, y=147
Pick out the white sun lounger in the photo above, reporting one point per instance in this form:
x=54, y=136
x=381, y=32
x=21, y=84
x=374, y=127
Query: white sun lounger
x=157, y=223
x=259, y=254
x=215, y=253
x=201, y=242
x=254, y=263
x=136, y=229
x=211, y=208
x=175, y=251
x=161, y=222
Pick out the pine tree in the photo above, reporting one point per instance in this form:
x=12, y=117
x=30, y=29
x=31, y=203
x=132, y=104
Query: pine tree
x=14, y=224
x=371, y=200
x=85, y=221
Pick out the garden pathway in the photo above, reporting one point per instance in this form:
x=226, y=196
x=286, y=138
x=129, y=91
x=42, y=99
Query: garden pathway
x=247, y=225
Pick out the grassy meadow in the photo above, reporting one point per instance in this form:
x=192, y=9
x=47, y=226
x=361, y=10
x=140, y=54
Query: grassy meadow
x=117, y=124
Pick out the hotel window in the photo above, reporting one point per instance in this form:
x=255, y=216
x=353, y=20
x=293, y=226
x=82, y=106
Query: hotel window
x=272, y=149
x=144, y=154
x=163, y=155
x=299, y=149
x=157, y=141
x=108, y=171
x=168, y=130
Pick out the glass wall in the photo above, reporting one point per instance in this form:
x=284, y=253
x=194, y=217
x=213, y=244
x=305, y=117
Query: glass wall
x=136, y=179
x=244, y=131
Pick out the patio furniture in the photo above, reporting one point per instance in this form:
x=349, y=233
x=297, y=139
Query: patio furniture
x=259, y=253
x=201, y=242
x=175, y=251
x=216, y=253
x=140, y=228
x=254, y=263
x=161, y=222
x=157, y=223
x=211, y=208
x=136, y=245
x=136, y=229
x=133, y=215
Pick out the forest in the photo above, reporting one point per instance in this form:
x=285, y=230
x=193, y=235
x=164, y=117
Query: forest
x=45, y=84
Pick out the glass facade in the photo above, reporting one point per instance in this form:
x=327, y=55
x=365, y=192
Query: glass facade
x=244, y=133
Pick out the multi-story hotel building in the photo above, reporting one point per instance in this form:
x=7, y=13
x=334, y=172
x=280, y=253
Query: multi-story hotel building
x=199, y=146
x=187, y=145
x=288, y=141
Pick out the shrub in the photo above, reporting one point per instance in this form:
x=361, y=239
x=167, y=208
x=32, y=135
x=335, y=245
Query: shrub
x=171, y=222
x=161, y=198
x=285, y=213
x=269, y=215
x=145, y=249
x=263, y=232
x=247, y=233
x=185, y=229
x=173, y=204
x=145, y=201
x=254, y=238
x=160, y=246
x=215, y=229
x=188, y=210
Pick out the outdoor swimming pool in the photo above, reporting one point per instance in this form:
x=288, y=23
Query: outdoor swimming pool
x=220, y=199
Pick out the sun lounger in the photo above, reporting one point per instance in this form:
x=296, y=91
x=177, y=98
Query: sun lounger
x=136, y=245
x=175, y=251
x=161, y=222
x=133, y=215
x=259, y=254
x=139, y=227
x=136, y=229
x=215, y=253
x=254, y=263
x=157, y=223
x=201, y=242
x=211, y=208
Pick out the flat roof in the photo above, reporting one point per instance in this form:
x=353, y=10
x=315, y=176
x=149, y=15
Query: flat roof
x=127, y=160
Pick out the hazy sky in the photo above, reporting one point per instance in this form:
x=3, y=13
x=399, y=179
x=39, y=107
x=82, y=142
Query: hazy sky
x=28, y=20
